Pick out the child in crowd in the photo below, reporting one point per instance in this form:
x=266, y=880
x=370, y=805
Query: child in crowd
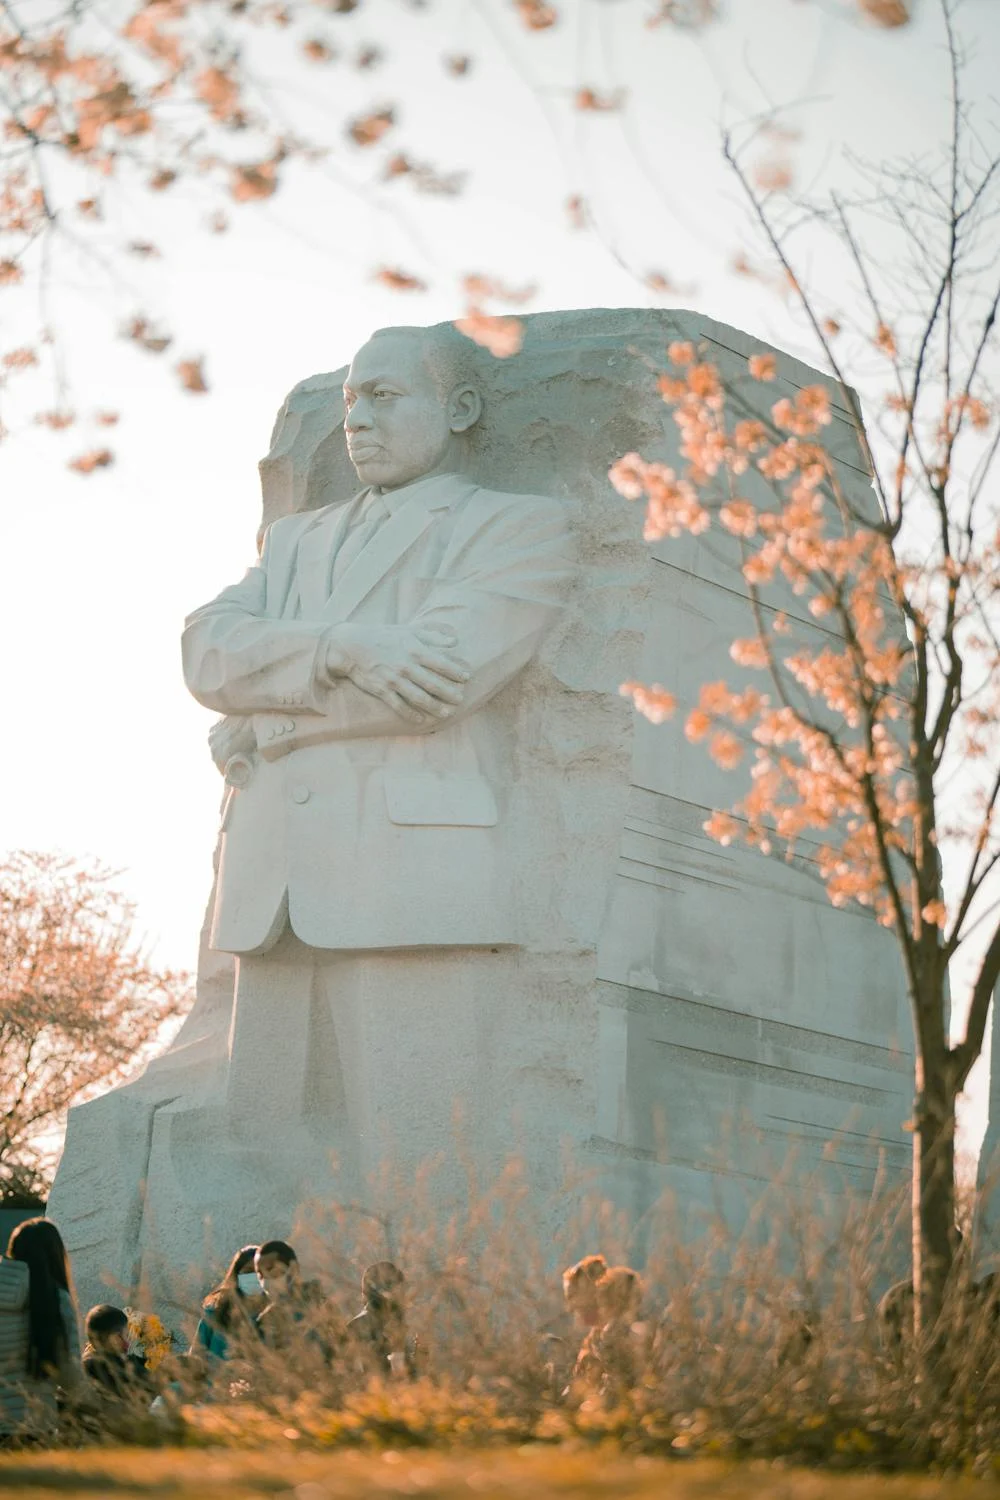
x=106, y=1359
x=230, y=1311
x=379, y=1329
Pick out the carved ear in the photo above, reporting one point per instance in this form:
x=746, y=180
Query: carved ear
x=466, y=407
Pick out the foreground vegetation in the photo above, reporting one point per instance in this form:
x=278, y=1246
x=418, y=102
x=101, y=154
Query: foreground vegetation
x=764, y=1349
x=535, y=1474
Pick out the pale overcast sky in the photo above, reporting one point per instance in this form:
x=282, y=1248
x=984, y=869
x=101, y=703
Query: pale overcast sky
x=105, y=752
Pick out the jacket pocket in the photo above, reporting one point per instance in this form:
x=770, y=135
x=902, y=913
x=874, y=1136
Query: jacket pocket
x=424, y=798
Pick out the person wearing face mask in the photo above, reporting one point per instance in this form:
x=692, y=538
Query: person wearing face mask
x=231, y=1309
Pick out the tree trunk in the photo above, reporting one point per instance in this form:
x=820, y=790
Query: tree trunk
x=934, y=1225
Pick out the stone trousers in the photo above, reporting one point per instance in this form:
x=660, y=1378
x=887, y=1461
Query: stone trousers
x=387, y=1056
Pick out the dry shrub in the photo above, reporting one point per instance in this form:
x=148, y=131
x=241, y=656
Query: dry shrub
x=762, y=1341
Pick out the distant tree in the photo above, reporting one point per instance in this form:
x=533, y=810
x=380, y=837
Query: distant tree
x=80, y=1007
x=876, y=612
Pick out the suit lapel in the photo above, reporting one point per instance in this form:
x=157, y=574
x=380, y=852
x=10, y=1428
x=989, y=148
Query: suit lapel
x=279, y=560
x=317, y=546
x=394, y=538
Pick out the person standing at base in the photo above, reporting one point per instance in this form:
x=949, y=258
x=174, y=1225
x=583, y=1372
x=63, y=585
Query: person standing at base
x=39, y=1333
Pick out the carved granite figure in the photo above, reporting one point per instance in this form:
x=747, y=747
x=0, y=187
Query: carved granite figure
x=367, y=808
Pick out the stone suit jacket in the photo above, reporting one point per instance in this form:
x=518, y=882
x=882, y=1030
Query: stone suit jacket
x=359, y=829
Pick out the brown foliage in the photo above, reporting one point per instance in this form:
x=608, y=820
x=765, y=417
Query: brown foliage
x=399, y=281
x=368, y=130
x=97, y=107
x=142, y=332
x=191, y=374
x=88, y=463
x=888, y=13
x=254, y=180
x=80, y=1005
x=767, y=1342
x=589, y=99
x=536, y=15
x=317, y=50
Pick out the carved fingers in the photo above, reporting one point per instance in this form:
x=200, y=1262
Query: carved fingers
x=388, y=694
x=415, y=672
x=439, y=681
x=411, y=690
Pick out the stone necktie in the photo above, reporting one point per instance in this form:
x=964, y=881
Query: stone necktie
x=373, y=513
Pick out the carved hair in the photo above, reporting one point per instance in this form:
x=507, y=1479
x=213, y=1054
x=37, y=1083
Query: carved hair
x=451, y=358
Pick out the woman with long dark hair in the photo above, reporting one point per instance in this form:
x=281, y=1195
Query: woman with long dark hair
x=229, y=1311
x=39, y=1332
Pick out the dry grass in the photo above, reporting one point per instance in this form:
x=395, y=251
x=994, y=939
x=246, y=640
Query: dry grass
x=751, y=1348
x=534, y=1474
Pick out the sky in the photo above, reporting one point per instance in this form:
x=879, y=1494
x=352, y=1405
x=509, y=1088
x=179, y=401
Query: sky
x=104, y=752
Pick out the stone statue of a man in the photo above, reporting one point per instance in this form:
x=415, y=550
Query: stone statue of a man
x=365, y=654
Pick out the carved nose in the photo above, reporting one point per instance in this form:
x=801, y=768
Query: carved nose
x=358, y=418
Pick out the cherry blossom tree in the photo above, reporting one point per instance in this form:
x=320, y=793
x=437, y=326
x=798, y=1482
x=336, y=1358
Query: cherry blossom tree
x=865, y=701
x=174, y=103
x=80, y=1005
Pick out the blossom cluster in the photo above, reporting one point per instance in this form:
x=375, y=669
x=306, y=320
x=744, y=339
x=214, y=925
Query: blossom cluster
x=835, y=744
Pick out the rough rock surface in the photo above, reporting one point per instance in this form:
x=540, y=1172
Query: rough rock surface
x=670, y=992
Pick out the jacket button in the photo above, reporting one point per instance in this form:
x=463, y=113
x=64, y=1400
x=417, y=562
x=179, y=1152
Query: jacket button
x=289, y=725
x=300, y=794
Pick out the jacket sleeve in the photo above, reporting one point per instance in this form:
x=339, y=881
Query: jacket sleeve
x=71, y=1369
x=502, y=585
x=237, y=661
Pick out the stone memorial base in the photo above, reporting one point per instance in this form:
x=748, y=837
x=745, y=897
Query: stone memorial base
x=674, y=1017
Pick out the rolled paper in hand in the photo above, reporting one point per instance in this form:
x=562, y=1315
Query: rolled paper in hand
x=239, y=769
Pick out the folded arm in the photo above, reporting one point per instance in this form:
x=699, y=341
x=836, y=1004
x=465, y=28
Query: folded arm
x=498, y=595
x=501, y=588
x=238, y=661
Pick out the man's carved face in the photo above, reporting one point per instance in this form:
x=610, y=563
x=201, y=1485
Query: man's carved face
x=399, y=426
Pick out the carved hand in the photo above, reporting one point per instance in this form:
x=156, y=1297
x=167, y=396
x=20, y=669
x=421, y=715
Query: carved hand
x=414, y=671
x=231, y=736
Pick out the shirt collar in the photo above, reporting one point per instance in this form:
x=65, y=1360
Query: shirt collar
x=437, y=491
